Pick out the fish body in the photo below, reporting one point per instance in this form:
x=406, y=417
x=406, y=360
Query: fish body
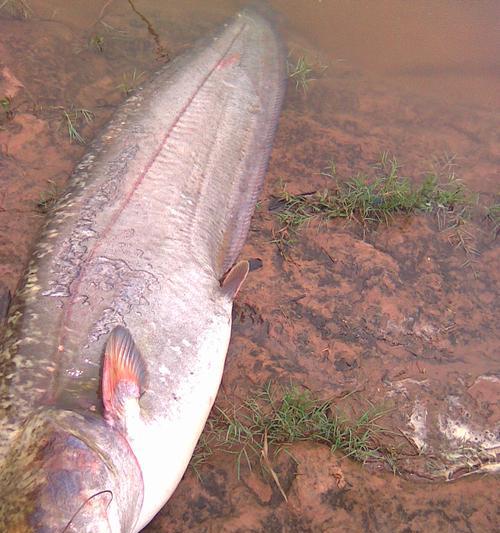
x=130, y=262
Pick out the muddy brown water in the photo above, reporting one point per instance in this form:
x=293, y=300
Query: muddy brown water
x=401, y=316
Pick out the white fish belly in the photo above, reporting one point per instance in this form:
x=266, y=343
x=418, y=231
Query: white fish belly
x=164, y=445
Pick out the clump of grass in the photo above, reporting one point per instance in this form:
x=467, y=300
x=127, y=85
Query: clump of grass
x=330, y=170
x=17, y=8
x=96, y=42
x=303, y=72
x=367, y=201
x=6, y=107
x=277, y=417
x=373, y=201
x=493, y=215
x=130, y=82
x=462, y=238
x=456, y=223
x=48, y=198
x=73, y=118
x=5, y=104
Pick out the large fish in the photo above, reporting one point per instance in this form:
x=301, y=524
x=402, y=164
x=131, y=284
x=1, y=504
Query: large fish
x=116, y=340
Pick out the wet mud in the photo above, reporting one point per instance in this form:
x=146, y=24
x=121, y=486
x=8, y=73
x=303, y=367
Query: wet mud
x=403, y=316
x=325, y=494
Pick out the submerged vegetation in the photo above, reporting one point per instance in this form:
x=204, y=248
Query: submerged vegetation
x=96, y=42
x=16, y=8
x=131, y=81
x=5, y=104
x=73, y=118
x=303, y=72
x=493, y=215
x=276, y=417
x=6, y=108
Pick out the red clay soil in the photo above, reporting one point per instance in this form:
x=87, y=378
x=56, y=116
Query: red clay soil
x=392, y=315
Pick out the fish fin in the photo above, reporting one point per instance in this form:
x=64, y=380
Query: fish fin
x=233, y=280
x=123, y=376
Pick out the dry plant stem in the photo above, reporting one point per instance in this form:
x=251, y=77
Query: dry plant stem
x=101, y=13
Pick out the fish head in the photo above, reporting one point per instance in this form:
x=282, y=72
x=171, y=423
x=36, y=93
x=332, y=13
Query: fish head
x=67, y=472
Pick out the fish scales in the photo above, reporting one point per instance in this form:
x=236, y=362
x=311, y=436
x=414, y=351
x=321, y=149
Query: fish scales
x=154, y=216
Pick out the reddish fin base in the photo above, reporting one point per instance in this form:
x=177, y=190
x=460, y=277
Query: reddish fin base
x=124, y=373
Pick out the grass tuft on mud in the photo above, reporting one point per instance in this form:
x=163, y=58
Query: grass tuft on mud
x=367, y=201
x=72, y=119
x=96, y=42
x=303, y=71
x=131, y=81
x=19, y=9
x=276, y=417
x=6, y=110
x=493, y=215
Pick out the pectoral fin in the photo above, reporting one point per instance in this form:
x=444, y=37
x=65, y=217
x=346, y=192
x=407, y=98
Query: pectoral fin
x=123, y=377
x=234, y=279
